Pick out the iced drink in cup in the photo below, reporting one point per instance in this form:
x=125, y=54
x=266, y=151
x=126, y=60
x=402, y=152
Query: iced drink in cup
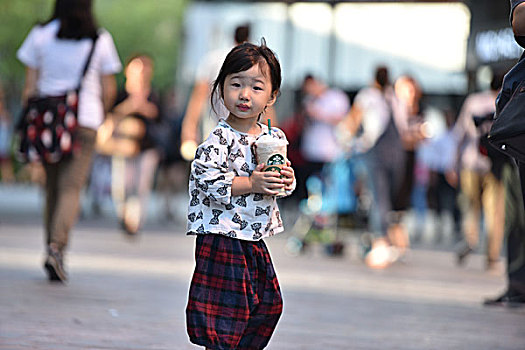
x=272, y=152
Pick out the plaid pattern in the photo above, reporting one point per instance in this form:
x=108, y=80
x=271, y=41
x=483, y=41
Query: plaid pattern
x=234, y=301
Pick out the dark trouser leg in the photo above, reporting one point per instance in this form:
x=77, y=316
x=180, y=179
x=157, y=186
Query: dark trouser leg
x=515, y=227
x=442, y=205
x=51, y=188
x=456, y=213
x=68, y=178
x=382, y=198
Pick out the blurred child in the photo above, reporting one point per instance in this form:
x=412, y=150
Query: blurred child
x=235, y=300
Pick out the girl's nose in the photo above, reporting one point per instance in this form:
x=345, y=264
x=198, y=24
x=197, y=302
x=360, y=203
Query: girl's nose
x=244, y=94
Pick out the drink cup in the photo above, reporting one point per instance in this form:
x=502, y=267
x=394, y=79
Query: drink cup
x=272, y=152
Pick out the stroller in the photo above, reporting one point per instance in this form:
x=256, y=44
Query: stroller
x=336, y=199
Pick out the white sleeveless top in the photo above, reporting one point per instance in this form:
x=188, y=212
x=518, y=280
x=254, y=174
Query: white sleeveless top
x=60, y=63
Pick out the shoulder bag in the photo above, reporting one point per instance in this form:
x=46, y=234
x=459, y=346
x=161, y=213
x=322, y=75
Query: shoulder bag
x=46, y=129
x=507, y=133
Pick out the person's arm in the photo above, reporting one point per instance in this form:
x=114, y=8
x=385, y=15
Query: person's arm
x=149, y=109
x=109, y=91
x=124, y=108
x=196, y=103
x=460, y=135
x=29, y=84
x=460, y=131
x=265, y=182
x=353, y=119
x=136, y=103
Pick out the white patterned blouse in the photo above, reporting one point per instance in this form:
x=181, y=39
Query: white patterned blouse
x=212, y=209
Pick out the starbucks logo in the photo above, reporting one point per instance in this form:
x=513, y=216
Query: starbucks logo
x=273, y=168
x=276, y=159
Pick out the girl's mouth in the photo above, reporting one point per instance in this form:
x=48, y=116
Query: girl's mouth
x=243, y=107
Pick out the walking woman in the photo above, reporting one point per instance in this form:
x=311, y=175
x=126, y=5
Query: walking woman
x=385, y=137
x=55, y=54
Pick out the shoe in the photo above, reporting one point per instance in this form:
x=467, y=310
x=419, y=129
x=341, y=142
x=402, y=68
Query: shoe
x=54, y=266
x=462, y=253
x=493, y=266
x=127, y=229
x=382, y=254
x=132, y=216
x=509, y=299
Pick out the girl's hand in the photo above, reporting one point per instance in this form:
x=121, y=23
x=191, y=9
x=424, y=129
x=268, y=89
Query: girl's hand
x=289, y=176
x=266, y=182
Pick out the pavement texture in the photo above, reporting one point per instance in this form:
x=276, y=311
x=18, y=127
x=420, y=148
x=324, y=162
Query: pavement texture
x=131, y=293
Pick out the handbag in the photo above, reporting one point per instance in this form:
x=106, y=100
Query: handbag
x=507, y=133
x=46, y=129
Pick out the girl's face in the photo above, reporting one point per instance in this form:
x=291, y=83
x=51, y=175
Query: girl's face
x=247, y=94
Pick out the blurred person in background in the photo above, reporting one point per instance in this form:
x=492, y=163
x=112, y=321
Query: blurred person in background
x=99, y=182
x=439, y=156
x=480, y=177
x=324, y=108
x=173, y=168
x=514, y=294
x=380, y=123
x=6, y=166
x=135, y=115
x=54, y=54
x=293, y=127
x=409, y=93
x=199, y=111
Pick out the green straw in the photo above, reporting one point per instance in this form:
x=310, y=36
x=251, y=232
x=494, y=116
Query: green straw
x=270, y=126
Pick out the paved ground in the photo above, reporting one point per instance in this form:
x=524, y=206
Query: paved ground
x=131, y=294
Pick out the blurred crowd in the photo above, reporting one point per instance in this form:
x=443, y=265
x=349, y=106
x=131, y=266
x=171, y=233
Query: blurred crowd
x=388, y=153
x=364, y=159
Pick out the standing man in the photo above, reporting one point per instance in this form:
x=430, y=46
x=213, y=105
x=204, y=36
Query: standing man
x=514, y=194
x=480, y=180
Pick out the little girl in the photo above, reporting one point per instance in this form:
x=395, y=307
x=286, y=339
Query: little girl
x=235, y=299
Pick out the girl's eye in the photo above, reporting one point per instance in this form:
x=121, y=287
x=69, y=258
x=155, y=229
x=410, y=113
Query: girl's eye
x=236, y=84
x=258, y=88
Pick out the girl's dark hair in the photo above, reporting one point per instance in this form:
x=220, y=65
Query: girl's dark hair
x=243, y=57
x=76, y=19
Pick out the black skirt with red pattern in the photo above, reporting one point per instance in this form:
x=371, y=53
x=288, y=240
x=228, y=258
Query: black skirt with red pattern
x=235, y=300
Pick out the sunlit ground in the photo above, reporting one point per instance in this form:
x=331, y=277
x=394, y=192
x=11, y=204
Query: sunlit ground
x=131, y=294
